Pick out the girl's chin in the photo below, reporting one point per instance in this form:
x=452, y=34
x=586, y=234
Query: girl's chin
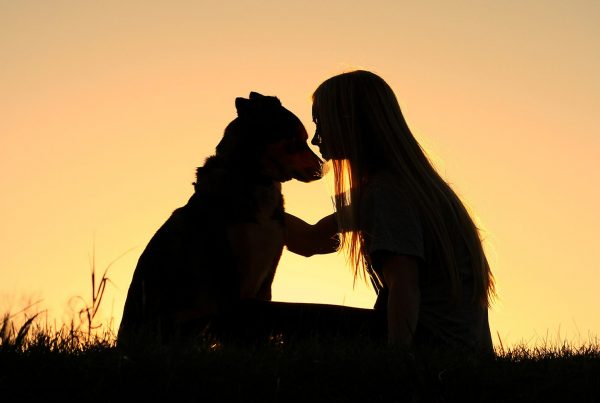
x=324, y=154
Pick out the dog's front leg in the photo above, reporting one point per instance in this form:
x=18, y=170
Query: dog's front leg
x=256, y=248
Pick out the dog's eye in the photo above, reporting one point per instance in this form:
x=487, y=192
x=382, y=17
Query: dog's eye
x=295, y=145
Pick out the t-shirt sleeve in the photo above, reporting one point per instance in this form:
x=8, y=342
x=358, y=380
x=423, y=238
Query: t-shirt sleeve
x=390, y=223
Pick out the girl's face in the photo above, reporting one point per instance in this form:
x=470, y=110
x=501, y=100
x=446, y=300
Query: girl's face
x=322, y=139
x=317, y=140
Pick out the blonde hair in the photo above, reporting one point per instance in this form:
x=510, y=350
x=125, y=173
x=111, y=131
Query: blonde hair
x=362, y=126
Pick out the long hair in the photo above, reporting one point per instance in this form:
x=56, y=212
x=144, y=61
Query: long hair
x=362, y=126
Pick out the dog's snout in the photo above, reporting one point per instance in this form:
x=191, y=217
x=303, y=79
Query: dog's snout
x=315, y=166
x=317, y=173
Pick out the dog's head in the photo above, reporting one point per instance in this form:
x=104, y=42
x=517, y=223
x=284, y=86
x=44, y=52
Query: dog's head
x=268, y=137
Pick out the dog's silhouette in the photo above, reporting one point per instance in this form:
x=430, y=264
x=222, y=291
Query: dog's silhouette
x=225, y=243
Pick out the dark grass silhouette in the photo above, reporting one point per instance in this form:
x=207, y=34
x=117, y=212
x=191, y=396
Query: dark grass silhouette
x=66, y=364
x=80, y=362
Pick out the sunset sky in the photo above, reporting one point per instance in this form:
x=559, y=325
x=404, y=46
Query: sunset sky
x=107, y=107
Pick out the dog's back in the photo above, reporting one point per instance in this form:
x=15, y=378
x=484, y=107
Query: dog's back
x=225, y=243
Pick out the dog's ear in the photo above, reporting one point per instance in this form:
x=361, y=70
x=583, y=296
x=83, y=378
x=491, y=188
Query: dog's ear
x=264, y=101
x=242, y=105
x=256, y=96
x=257, y=103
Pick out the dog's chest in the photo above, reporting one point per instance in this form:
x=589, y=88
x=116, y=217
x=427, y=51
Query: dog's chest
x=257, y=245
x=269, y=204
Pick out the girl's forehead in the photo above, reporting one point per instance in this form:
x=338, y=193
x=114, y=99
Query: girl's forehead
x=314, y=110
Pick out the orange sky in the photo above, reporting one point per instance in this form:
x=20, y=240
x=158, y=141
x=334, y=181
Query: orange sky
x=108, y=107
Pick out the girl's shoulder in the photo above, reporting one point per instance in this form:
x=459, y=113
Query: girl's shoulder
x=387, y=186
x=388, y=218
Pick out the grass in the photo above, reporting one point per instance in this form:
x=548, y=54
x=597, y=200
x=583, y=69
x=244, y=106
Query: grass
x=80, y=362
x=38, y=362
x=75, y=367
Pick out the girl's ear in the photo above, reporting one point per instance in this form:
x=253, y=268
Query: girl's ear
x=242, y=105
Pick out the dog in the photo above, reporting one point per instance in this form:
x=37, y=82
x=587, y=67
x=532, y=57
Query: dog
x=224, y=245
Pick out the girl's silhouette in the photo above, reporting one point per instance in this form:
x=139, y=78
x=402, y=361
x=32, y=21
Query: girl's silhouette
x=400, y=222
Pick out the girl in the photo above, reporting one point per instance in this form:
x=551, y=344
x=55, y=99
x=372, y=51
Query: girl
x=400, y=222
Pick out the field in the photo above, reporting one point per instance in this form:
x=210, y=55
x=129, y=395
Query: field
x=79, y=363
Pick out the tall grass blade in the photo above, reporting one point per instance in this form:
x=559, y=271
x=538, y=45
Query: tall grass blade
x=23, y=332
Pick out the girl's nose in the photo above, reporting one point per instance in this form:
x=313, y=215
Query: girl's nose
x=316, y=140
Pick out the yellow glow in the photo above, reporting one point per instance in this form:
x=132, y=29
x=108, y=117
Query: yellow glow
x=107, y=108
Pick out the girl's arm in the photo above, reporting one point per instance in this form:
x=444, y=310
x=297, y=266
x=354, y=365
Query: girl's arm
x=401, y=275
x=307, y=240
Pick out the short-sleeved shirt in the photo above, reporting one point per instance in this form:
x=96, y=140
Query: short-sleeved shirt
x=391, y=223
